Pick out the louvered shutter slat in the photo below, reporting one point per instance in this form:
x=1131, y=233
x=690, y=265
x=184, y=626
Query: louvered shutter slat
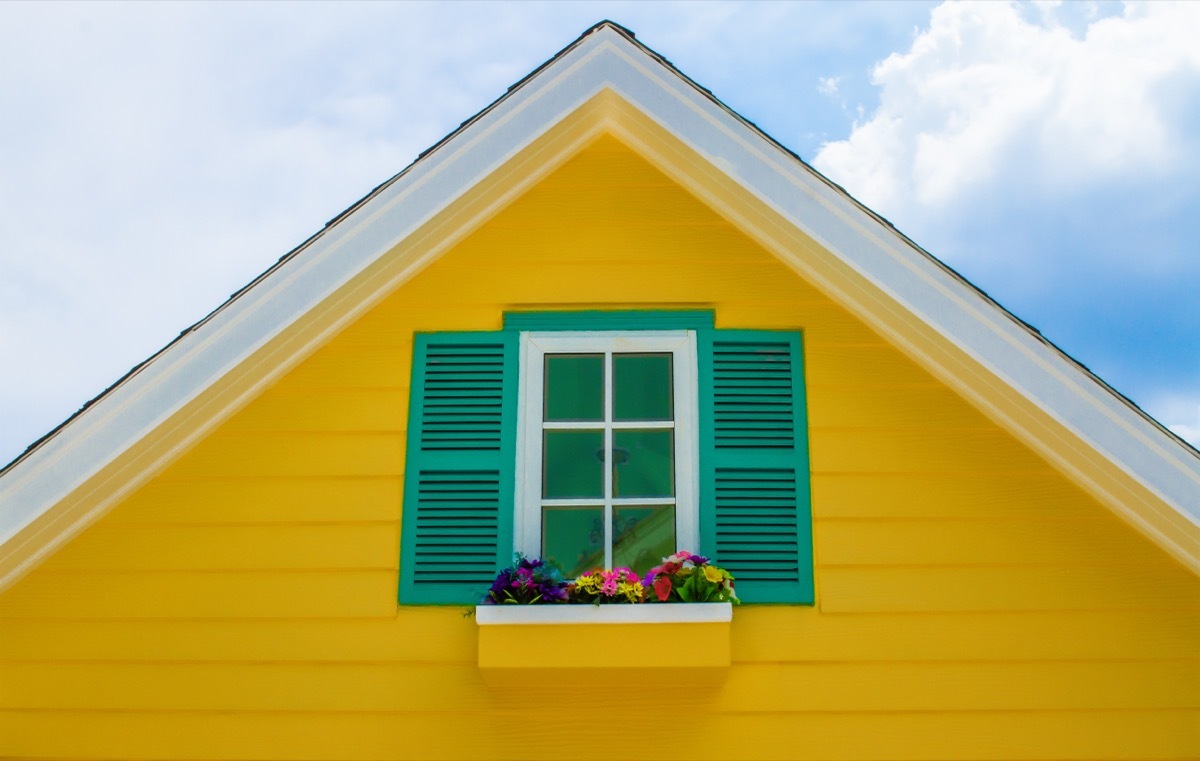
x=755, y=513
x=458, y=493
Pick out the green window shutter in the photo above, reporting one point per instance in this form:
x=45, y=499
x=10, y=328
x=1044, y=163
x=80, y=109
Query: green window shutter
x=755, y=513
x=459, y=469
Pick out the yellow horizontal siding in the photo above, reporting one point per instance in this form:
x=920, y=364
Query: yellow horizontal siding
x=971, y=601
x=341, y=367
x=1016, y=587
x=777, y=634
x=880, y=403
x=930, y=450
x=803, y=635
x=821, y=324
x=349, y=410
x=595, y=282
x=624, y=244
x=262, y=500
x=285, y=455
x=506, y=733
x=1017, y=496
x=376, y=545
x=1100, y=541
x=233, y=547
x=766, y=688
x=203, y=594
x=403, y=638
x=878, y=365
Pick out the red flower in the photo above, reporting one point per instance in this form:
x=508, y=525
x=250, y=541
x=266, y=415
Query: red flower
x=662, y=588
x=671, y=567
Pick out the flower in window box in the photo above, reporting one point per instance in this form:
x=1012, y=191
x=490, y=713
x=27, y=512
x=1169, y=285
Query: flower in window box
x=685, y=577
x=529, y=581
x=620, y=585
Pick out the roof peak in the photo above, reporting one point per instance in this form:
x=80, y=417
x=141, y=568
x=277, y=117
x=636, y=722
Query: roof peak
x=610, y=24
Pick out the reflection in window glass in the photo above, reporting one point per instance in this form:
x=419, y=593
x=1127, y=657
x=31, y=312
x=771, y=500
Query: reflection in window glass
x=574, y=465
x=643, y=463
x=642, y=536
x=573, y=538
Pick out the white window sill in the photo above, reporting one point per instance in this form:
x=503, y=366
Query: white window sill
x=667, y=613
x=571, y=637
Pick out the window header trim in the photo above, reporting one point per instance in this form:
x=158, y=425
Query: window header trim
x=594, y=320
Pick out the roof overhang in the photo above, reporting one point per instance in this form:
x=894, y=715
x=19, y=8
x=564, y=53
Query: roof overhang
x=605, y=82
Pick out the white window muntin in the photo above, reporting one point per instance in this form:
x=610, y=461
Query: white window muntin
x=681, y=344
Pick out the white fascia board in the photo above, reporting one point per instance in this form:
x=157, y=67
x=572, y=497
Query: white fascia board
x=914, y=280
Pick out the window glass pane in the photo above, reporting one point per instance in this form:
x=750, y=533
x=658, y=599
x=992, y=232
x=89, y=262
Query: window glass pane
x=643, y=463
x=573, y=538
x=642, y=536
x=572, y=464
x=574, y=387
x=642, y=387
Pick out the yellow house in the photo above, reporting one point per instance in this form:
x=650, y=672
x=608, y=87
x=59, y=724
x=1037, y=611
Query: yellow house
x=952, y=541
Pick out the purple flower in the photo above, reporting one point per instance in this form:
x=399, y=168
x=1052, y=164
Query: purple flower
x=499, y=584
x=526, y=582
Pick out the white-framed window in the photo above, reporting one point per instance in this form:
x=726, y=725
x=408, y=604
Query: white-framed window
x=607, y=448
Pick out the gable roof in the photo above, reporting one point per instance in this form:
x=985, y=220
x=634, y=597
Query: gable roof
x=604, y=82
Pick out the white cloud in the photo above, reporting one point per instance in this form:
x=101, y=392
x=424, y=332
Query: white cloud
x=985, y=95
x=1189, y=433
x=1050, y=151
x=828, y=85
x=1180, y=413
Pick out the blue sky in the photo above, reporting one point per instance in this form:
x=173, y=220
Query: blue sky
x=155, y=157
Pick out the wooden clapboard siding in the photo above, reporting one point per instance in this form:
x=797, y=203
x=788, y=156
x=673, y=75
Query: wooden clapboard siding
x=762, y=634
x=207, y=594
x=347, y=368
x=295, y=409
x=923, y=588
x=984, y=542
x=1018, y=496
x=285, y=455
x=751, y=688
x=246, y=547
x=505, y=733
x=297, y=500
x=972, y=603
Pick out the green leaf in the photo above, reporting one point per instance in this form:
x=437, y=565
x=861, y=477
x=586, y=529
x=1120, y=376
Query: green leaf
x=685, y=591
